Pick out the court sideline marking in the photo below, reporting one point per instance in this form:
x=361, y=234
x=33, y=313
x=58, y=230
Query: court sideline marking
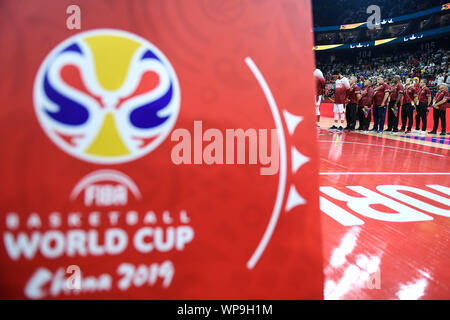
x=386, y=173
x=384, y=146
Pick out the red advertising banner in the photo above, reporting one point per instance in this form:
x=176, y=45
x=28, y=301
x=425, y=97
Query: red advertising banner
x=158, y=150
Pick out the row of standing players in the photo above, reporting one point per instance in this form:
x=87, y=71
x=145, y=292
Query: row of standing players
x=384, y=98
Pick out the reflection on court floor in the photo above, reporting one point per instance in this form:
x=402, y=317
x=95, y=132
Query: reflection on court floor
x=386, y=215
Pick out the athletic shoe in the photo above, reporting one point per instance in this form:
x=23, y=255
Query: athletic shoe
x=416, y=131
x=407, y=131
x=365, y=131
x=373, y=129
x=394, y=133
x=423, y=133
x=332, y=128
x=360, y=129
x=443, y=133
x=432, y=132
x=341, y=129
x=380, y=131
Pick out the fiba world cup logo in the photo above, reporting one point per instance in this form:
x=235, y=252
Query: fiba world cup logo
x=106, y=96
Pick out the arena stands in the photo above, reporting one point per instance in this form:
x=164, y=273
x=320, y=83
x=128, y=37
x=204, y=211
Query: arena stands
x=425, y=61
x=325, y=13
x=413, y=41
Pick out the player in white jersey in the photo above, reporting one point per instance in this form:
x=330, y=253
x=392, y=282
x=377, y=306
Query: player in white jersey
x=340, y=98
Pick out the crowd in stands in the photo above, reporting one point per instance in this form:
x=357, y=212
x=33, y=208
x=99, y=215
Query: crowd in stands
x=429, y=64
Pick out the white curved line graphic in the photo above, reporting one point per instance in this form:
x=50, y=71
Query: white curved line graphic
x=101, y=175
x=283, y=165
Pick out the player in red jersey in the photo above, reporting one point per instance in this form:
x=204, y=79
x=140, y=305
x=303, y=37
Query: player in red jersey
x=320, y=86
x=364, y=106
x=396, y=93
x=424, y=97
x=340, y=96
x=440, y=104
x=381, y=95
x=416, y=83
x=353, y=96
x=409, y=100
